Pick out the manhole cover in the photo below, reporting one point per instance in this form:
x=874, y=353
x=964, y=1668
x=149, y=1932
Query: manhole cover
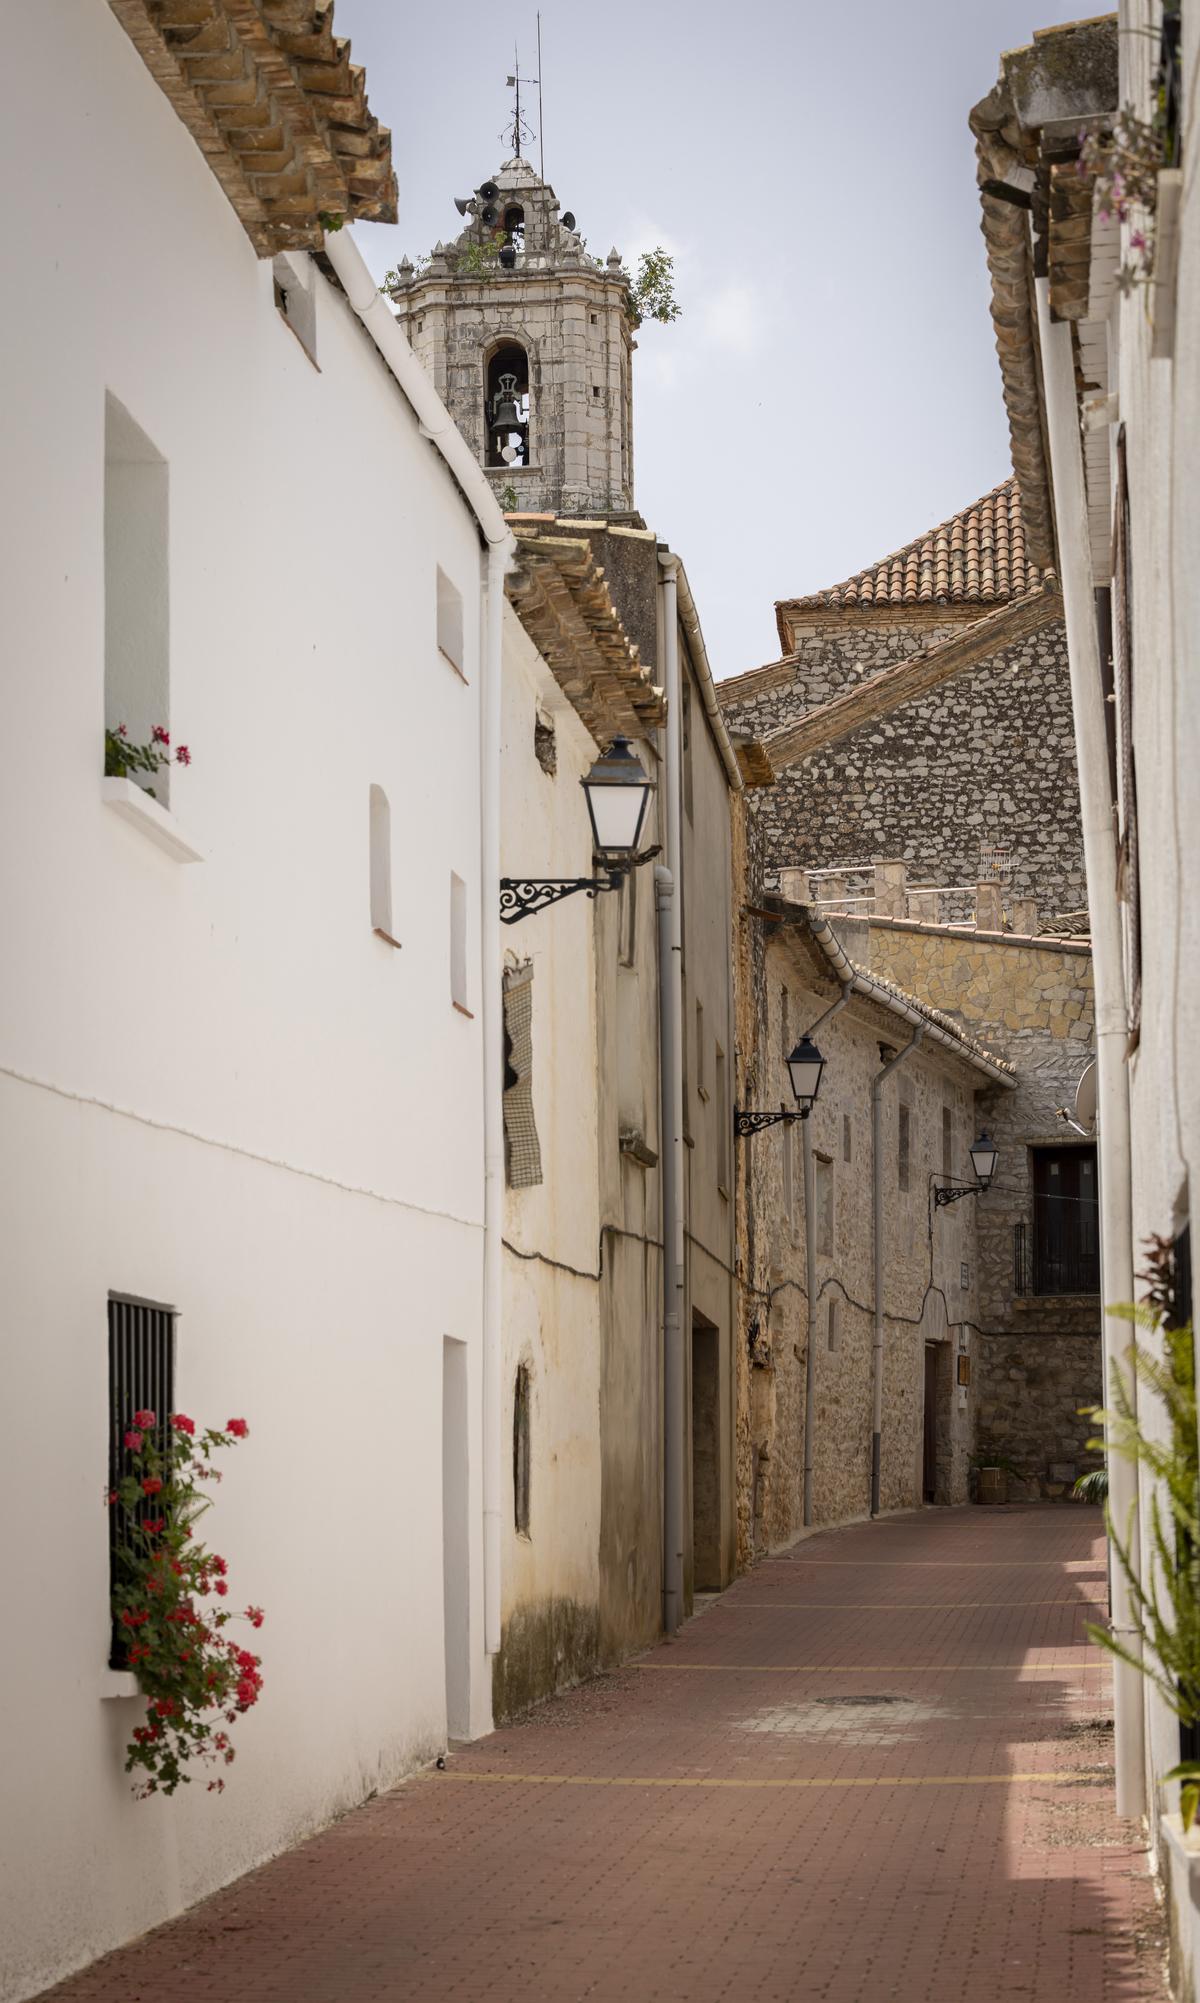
x=856, y=1699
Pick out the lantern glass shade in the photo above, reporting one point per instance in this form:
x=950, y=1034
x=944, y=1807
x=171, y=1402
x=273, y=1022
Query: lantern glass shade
x=616, y=790
x=983, y=1158
x=805, y=1066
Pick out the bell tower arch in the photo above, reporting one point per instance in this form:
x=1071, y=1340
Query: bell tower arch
x=529, y=341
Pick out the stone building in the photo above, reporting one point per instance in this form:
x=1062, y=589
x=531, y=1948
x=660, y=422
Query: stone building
x=1030, y=1000
x=911, y=763
x=529, y=340
x=627, y=1426
x=824, y=1363
x=934, y=686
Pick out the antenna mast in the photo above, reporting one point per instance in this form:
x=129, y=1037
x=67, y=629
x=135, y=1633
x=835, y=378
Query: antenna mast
x=541, y=123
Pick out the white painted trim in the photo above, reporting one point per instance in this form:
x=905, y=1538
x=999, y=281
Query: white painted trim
x=118, y=1684
x=135, y=805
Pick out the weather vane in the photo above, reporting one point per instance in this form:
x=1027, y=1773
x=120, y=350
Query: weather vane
x=520, y=130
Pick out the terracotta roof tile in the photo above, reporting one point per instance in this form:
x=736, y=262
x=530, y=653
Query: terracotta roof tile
x=976, y=558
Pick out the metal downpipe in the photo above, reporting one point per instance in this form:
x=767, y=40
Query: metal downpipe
x=893, y=1064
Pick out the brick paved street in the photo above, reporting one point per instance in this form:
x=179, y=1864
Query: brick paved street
x=877, y=1768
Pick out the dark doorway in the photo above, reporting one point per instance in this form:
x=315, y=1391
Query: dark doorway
x=706, y=1457
x=929, y=1458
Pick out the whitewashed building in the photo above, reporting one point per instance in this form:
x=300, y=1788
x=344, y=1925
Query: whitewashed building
x=242, y=1026
x=1097, y=312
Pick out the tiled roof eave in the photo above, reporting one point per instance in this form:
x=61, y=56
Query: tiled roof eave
x=274, y=103
x=560, y=596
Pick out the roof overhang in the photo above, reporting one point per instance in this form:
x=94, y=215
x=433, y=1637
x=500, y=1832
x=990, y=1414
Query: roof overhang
x=1037, y=222
x=269, y=94
x=559, y=594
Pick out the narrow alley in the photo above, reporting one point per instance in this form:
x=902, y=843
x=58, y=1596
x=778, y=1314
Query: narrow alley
x=878, y=1767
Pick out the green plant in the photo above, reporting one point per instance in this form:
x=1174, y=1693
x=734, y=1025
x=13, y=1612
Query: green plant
x=510, y=500
x=329, y=221
x=121, y=757
x=197, y=1681
x=1092, y=1486
x=652, y=289
x=1126, y=162
x=1166, y=1601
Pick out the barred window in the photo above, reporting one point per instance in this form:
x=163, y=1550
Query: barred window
x=522, y=1149
x=141, y=1378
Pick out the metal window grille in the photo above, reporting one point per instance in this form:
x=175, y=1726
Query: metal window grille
x=1022, y=1260
x=141, y=1378
x=995, y=863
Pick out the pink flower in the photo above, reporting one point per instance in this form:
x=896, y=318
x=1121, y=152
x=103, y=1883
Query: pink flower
x=145, y=1419
x=182, y=1423
x=160, y=736
x=1136, y=240
x=182, y=755
x=237, y=1427
x=121, y=730
x=255, y=1616
x=134, y=1442
x=220, y=1587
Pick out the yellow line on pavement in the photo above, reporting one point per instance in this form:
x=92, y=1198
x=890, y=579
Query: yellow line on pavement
x=876, y=1668
x=1063, y=1777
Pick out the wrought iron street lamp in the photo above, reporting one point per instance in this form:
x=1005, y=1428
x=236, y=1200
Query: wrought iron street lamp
x=617, y=792
x=983, y=1154
x=804, y=1065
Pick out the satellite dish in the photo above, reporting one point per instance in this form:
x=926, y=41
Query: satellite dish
x=1085, y=1097
x=489, y=192
x=463, y=204
x=568, y=221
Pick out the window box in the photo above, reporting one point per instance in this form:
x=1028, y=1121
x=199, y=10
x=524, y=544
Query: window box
x=134, y=804
x=118, y=1685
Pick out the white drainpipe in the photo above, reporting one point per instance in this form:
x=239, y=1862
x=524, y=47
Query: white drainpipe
x=439, y=428
x=670, y=978
x=877, y=1238
x=1112, y=1027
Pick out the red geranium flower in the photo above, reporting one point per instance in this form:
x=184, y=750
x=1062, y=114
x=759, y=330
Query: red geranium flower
x=237, y=1427
x=182, y=1423
x=160, y=736
x=134, y=1442
x=145, y=1419
x=151, y=1485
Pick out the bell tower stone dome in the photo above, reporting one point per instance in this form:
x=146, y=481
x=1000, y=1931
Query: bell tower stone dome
x=529, y=341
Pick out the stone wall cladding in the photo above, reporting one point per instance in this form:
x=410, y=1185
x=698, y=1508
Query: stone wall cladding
x=1031, y=1391
x=987, y=757
x=1030, y=1003
x=924, y=1253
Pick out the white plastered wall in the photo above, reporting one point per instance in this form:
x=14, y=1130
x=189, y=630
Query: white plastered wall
x=220, y=1089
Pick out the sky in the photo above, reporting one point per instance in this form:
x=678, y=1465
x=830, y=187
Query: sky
x=831, y=389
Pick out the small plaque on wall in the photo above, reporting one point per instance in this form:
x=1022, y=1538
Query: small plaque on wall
x=964, y=1369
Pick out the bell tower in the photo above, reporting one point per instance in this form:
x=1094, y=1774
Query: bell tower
x=529, y=341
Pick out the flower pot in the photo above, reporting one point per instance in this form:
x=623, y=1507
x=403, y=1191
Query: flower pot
x=993, y=1484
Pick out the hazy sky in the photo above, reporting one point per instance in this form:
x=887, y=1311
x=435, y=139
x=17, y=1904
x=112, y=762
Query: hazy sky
x=832, y=388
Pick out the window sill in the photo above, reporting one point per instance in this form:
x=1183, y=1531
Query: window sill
x=459, y=670
x=159, y=826
x=118, y=1683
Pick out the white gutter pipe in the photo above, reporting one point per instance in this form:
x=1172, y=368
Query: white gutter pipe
x=439, y=428
x=668, y=883
x=1112, y=1027
x=810, y=1269
x=877, y=1237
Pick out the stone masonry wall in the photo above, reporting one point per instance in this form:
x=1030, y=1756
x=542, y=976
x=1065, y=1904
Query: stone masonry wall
x=987, y=757
x=783, y=986
x=1032, y=1004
